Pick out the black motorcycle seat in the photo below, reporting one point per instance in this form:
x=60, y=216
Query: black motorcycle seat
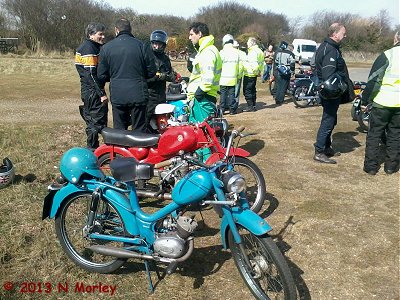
x=128, y=138
x=129, y=169
x=301, y=76
x=175, y=97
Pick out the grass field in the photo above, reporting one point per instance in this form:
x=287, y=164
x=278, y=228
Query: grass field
x=338, y=227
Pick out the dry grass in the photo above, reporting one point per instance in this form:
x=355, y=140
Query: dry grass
x=338, y=226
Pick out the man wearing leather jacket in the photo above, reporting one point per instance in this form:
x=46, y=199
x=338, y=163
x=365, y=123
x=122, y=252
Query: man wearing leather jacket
x=157, y=84
x=127, y=64
x=329, y=62
x=94, y=109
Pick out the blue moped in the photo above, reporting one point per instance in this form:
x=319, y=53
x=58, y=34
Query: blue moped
x=100, y=223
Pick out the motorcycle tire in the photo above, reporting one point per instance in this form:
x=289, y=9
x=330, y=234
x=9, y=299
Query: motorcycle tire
x=262, y=266
x=104, y=162
x=298, y=92
x=353, y=113
x=256, y=187
x=355, y=109
x=70, y=222
x=363, y=120
x=272, y=88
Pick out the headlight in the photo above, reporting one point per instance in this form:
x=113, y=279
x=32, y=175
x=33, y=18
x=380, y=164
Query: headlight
x=233, y=182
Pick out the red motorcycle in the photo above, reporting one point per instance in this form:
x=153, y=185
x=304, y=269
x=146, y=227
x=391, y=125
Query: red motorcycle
x=164, y=151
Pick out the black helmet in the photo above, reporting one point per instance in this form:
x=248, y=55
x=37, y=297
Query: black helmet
x=159, y=36
x=283, y=45
x=333, y=87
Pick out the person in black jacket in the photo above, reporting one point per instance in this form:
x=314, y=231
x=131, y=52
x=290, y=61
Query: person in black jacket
x=284, y=60
x=94, y=109
x=328, y=63
x=127, y=64
x=157, y=84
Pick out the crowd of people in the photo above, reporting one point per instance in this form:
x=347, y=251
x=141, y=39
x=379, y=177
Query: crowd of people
x=138, y=72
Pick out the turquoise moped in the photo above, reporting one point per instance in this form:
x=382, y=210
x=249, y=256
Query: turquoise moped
x=100, y=224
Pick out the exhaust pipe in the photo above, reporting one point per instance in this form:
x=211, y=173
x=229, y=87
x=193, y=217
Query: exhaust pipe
x=123, y=253
x=148, y=194
x=306, y=97
x=118, y=252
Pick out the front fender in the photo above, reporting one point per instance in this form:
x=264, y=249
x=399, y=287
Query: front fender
x=238, y=152
x=233, y=151
x=247, y=219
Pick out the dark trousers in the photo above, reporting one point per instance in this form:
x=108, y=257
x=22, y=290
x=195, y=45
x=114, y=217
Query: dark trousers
x=328, y=122
x=282, y=83
x=381, y=119
x=249, y=90
x=129, y=114
x=94, y=113
x=150, y=109
x=227, y=99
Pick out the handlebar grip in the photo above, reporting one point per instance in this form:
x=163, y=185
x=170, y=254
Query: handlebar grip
x=163, y=164
x=240, y=129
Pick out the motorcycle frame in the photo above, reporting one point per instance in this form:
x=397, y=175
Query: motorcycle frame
x=207, y=139
x=139, y=223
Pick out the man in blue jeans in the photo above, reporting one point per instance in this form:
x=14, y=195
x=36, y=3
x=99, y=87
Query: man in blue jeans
x=329, y=62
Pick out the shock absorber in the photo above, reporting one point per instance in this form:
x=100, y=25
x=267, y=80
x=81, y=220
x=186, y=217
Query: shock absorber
x=93, y=207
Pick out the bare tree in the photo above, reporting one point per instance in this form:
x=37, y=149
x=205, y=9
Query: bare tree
x=238, y=19
x=60, y=24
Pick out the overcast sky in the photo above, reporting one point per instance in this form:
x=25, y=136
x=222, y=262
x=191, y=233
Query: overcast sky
x=290, y=8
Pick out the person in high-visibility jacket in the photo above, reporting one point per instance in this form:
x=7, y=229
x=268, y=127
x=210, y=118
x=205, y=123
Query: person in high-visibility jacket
x=383, y=90
x=232, y=69
x=254, y=67
x=243, y=59
x=203, y=84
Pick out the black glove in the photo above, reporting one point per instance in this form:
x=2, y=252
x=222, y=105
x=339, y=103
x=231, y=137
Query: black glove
x=162, y=76
x=200, y=94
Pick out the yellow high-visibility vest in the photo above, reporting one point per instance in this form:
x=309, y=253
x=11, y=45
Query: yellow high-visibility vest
x=389, y=91
x=232, y=65
x=207, y=66
x=254, y=65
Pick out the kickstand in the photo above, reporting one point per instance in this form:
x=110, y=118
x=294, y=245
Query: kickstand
x=151, y=286
x=159, y=277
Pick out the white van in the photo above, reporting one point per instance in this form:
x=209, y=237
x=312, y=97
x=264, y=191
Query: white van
x=304, y=50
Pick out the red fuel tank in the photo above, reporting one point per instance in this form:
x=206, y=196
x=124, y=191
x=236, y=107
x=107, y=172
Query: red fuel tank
x=177, y=138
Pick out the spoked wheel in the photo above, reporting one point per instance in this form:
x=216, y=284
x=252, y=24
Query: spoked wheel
x=300, y=91
x=71, y=231
x=262, y=266
x=355, y=108
x=255, y=182
x=104, y=162
x=363, y=118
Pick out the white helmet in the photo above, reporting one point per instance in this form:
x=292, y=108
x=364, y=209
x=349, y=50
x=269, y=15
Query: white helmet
x=227, y=38
x=7, y=173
